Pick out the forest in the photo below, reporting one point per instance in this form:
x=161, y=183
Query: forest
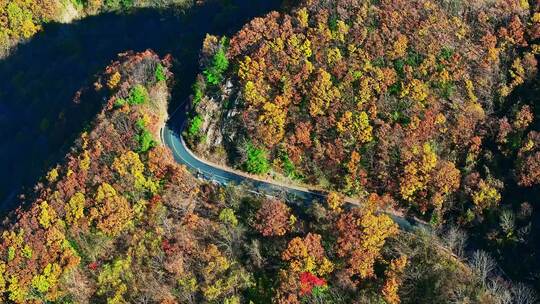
x=421, y=109
x=432, y=104
x=119, y=221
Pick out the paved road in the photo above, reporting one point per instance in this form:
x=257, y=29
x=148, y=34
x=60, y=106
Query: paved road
x=211, y=172
x=171, y=137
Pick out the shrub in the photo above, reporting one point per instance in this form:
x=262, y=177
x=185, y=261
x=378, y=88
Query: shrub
x=127, y=3
x=195, y=125
x=145, y=138
x=146, y=141
x=112, y=4
x=257, y=161
x=227, y=216
x=219, y=64
x=119, y=102
x=159, y=73
x=138, y=95
x=446, y=53
x=197, y=93
x=288, y=167
x=118, y=4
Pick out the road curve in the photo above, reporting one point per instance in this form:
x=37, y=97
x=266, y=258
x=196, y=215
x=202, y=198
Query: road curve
x=224, y=176
x=214, y=173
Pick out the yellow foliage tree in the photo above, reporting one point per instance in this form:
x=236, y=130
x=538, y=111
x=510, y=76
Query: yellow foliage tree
x=335, y=201
x=307, y=255
x=47, y=215
x=416, y=90
x=114, y=79
x=356, y=125
x=112, y=213
x=361, y=235
x=417, y=171
x=322, y=94
x=486, y=196
x=130, y=166
x=302, y=16
x=75, y=208
x=399, y=48
x=393, y=280
x=221, y=276
x=52, y=175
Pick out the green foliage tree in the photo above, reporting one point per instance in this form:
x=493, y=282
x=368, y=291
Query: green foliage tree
x=219, y=64
x=112, y=280
x=144, y=138
x=195, y=126
x=138, y=95
x=159, y=73
x=146, y=141
x=257, y=160
x=197, y=93
x=227, y=216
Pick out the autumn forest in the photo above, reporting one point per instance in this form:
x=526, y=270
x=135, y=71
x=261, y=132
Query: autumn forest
x=330, y=151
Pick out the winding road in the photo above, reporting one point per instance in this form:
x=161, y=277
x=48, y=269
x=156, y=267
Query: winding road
x=218, y=174
x=170, y=135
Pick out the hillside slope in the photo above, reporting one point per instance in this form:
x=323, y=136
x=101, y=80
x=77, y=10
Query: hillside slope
x=431, y=103
x=120, y=222
x=355, y=96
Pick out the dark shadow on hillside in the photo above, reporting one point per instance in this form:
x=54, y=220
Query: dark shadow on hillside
x=521, y=261
x=38, y=118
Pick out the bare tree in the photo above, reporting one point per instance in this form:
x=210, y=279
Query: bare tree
x=523, y=294
x=454, y=7
x=498, y=289
x=455, y=239
x=525, y=210
x=254, y=252
x=523, y=233
x=79, y=286
x=507, y=222
x=483, y=265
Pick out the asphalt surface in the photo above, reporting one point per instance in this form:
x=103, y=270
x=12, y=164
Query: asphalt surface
x=172, y=138
x=206, y=171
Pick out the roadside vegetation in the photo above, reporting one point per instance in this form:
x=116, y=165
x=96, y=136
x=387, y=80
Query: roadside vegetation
x=119, y=221
x=428, y=108
x=432, y=103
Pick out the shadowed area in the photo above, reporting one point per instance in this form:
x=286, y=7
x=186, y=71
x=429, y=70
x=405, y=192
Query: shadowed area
x=38, y=116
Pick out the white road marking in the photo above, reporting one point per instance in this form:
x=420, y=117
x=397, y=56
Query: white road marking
x=261, y=183
x=264, y=183
x=186, y=162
